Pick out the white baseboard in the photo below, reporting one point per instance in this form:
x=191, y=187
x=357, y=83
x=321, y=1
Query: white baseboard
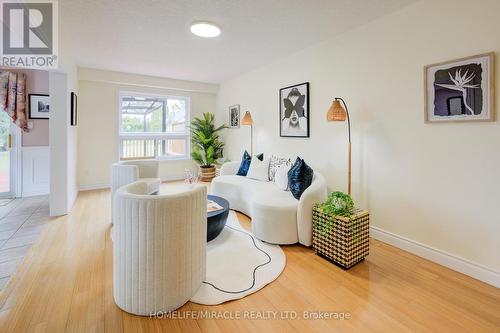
x=90, y=187
x=100, y=186
x=443, y=258
x=34, y=193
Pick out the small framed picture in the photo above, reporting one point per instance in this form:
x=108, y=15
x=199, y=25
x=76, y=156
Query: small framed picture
x=39, y=106
x=460, y=90
x=294, y=111
x=234, y=116
x=74, y=110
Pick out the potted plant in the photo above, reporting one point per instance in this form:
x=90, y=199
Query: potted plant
x=206, y=145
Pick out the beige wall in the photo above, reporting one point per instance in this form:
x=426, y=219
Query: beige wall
x=37, y=83
x=98, y=119
x=437, y=184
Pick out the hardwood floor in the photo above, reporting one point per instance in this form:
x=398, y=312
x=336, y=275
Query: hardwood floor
x=64, y=284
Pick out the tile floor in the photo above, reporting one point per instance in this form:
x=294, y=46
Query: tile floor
x=21, y=221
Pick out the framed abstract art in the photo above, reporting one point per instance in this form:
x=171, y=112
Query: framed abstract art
x=294, y=111
x=460, y=90
x=234, y=116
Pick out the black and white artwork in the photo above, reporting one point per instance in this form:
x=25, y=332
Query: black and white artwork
x=460, y=90
x=234, y=116
x=39, y=106
x=294, y=111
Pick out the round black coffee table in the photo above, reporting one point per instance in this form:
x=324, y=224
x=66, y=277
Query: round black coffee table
x=217, y=220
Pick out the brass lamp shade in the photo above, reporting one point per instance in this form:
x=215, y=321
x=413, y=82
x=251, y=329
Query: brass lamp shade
x=336, y=112
x=247, y=119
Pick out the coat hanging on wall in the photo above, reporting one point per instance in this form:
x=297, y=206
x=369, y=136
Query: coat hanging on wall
x=13, y=97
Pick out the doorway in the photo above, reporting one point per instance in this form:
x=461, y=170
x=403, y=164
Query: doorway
x=8, y=156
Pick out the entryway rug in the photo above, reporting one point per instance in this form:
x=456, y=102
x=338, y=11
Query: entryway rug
x=238, y=265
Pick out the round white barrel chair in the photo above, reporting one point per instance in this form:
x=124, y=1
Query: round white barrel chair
x=159, y=248
x=126, y=172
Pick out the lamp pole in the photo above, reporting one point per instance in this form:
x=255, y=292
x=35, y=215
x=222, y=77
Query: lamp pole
x=251, y=139
x=349, y=133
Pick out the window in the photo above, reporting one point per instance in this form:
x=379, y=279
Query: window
x=153, y=127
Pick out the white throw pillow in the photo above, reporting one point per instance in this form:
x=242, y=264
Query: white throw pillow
x=259, y=169
x=275, y=162
x=281, y=177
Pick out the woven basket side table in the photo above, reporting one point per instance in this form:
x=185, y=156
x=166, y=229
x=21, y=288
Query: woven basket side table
x=343, y=240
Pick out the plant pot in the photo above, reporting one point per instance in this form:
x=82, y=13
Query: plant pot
x=343, y=240
x=207, y=173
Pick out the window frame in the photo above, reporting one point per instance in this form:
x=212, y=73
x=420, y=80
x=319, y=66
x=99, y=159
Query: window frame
x=155, y=135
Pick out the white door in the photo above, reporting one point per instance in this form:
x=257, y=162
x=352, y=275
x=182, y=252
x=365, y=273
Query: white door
x=8, y=156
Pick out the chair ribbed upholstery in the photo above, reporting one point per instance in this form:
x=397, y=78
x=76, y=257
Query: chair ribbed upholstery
x=159, y=249
x=126, y=172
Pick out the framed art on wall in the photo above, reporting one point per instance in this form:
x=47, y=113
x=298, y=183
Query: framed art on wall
x=294, y=111
x=39, y=106
x=460, y=90
x=234, y=116
x=74, y=109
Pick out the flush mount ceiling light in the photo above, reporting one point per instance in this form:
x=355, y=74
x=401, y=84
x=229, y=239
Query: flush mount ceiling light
x=205, y=29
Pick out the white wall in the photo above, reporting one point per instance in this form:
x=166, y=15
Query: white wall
x=62, y=136
x=63, y=140
x=58, y=144
x=98, y=119
x=72, y=136
x=436, y=184
x=35, y=170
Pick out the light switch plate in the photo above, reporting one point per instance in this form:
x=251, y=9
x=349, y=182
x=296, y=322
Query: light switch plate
x=30, y=125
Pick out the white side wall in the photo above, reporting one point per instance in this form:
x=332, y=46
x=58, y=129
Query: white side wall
x=63, y=141
x=435, y=184
x=58, y=143
x=72, y=148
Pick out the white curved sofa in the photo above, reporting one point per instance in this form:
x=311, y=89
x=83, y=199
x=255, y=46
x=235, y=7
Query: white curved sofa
x=159, y=248
x=277, y=217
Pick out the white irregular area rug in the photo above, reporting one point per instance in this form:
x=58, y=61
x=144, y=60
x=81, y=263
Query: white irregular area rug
x=238, y=265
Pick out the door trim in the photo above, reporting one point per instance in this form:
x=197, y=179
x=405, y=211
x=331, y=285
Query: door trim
x=15, y=180
x=16, y=163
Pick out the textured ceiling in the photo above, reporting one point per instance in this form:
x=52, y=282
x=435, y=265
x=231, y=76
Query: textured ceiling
x=152, y=36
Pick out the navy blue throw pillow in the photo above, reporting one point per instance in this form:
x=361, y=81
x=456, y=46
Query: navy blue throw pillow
x=245, y=163
x=299, y=177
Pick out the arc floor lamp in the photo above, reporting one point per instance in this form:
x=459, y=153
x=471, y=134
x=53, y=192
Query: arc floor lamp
x=337, y=112
x=247, y=120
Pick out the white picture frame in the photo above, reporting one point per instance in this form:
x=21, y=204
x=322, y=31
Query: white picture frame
x=460, y=90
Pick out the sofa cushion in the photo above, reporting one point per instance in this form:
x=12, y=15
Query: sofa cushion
x=259, y=170
x=281, y=177
x=245, y=163
x=275, y=162
x=300, y=177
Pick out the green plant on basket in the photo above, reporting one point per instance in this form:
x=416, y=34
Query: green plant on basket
x=206, y=145
x=337, y=203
